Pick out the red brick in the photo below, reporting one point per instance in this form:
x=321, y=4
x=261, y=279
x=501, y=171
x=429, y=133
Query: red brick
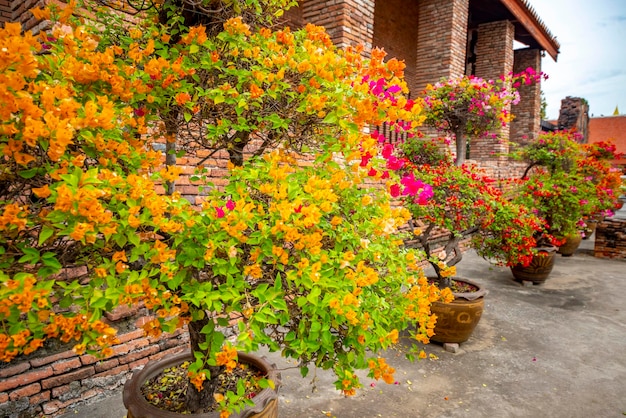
x=133, y=335
x=122, y=311
x=164, y=353
x=13, y=370
x=25, y=378
x=65, y=366
x=134, y=356
x=60, y=391
x=40, y=398
x=106, y=365
x=37, y=362
x=139, y=363
x=67, y=378
x=88, y=359
x=52, y=407
x=25, y=391
x=113, y=372
x=4, y=397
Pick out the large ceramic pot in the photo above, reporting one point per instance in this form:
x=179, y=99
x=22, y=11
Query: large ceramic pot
x=539, y=268
x=572, y=242
x=592, y=224
x=265, y=402
x=456, y=320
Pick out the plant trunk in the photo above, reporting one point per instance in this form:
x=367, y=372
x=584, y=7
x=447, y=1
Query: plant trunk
x=171, y=130
x=196, y=401
x=461, y=146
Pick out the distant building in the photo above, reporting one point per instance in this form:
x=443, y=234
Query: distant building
x=610, y=128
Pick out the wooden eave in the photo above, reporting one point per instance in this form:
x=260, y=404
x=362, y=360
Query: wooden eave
x=529, y=28
x=528, y=18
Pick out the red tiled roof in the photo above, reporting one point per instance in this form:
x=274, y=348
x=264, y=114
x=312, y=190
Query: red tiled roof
x=609, y=128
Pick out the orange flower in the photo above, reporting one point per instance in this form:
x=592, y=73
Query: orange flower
x=182, y=98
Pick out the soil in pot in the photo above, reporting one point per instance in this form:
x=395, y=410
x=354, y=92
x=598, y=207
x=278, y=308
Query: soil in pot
x=158, y=390
x=457, y=320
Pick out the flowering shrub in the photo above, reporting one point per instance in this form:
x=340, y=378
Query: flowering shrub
x=471, y=106
x=303, y=258
x=566, y=182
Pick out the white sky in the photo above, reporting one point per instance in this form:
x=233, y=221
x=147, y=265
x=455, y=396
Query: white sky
x=592, y=59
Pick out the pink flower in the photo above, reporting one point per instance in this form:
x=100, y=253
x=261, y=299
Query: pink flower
x=219, y=211
x=387, y=150
x=230, y=205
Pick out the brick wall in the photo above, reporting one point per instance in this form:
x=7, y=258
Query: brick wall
x=526, y=124
x=610, y=241
x=17, y=11
x=396, y=33
x=574, y=114
x=494, y=57
x=348, y=22
x=441, y=40
x=55, y=378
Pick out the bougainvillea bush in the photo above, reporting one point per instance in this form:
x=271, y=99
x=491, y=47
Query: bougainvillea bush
x=463, y=204
x=469, y=106
x=303, y=258
x=567, y=182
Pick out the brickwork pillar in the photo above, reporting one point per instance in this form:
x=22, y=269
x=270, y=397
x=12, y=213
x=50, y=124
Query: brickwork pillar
x=494, y=57
x=396, y=33
x=348, y=22
x=18, y=11
x=526, y=124
x=574, y=115
x=441, y=40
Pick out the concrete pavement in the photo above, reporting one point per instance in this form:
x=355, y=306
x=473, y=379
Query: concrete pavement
x=554, y=350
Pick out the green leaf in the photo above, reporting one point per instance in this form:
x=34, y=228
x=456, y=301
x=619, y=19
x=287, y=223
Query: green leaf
x=219, y=99
x=330, y=119
x=29, y=174
x=194, y=48
x=46, y=232
x=187, y=116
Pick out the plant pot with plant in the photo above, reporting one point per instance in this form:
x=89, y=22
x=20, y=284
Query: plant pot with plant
x=305, y=259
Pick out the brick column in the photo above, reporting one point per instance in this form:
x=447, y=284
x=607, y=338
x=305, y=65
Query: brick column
x=394, y=31
x=441, y=40
x=526, y=124
x=18, y=11
x=494, y=57
x=348, y=22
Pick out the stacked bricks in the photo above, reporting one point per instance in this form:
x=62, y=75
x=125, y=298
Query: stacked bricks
x=48, y=383
x=526, y=124
x=348, y=22
x=494, y=57
x=441, y=40
x=610, y=239
x=574, y=115
x=396, y=33
x=18, y=11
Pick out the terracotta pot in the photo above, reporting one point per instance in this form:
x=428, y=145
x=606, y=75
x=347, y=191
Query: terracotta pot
x=539, y=268
x=572, y=243
x=456, y=320
x=265, y=402
x=592, y=224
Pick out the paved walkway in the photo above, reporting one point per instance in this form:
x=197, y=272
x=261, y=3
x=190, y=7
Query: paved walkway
x=555, y=350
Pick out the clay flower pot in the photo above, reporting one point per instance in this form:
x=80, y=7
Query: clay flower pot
x=265, y=402
x=572, y=242
x=539, y=269
x=457, y=320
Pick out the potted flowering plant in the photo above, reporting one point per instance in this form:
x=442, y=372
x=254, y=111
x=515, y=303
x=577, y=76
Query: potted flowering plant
x=566, y=183
x=469, y=106
x=460, y=207
x=303, y=258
